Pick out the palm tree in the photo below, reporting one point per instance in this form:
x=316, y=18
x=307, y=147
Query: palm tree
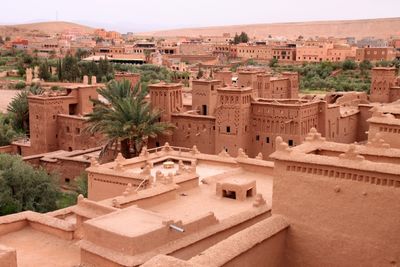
x=126, y=118
x=19, y=108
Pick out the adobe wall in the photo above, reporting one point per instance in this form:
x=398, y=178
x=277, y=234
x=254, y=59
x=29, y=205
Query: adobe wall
x=196, y=248
x=291, y=122
x=68, y=169
x=8, y=257
x=194, y=130
x=72, y=135
x=261, y=244
x=10, y=149
x=335, y=221
x=83, y=96
x=43, y=122
x=224, y=76
x=382, y=79
x=148, y=200
x=232, y=120
x=389, y=133
x=204, y=96
x=363, y=124
x=99, y=185
x=133, y=78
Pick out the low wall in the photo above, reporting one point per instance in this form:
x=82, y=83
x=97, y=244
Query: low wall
x=8, y=149
x=8, y=257
x=261, y=244
x=145, y=198
x=40, y=222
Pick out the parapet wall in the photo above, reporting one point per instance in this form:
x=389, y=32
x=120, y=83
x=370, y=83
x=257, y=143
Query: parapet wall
x=40, y=222
x=8, y=257
x=325, y=211
x=261, y=244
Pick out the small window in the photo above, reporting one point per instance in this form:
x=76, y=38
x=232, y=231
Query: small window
x=257, y=138
x=67, y=180
x=228, y=129
x=267, y=140
x=157, y=144
x=68, y=130
x=290, y=142
x=77, y=130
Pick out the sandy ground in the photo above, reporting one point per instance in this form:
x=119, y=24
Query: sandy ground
x=35, y=248
x=5, y=98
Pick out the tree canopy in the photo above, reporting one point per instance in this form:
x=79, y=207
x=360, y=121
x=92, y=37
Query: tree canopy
x=25, y=188
x=126, y=119
x=242, y=38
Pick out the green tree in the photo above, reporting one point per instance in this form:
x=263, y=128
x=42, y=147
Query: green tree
x=7, y=133
x=128, y=119
x=349, y=65
x=25, y=188
x=244, y=38
x=365, y=65
x=81, y=53
x=44, y=71
x=273, y=62
x=19, y=108
x=59, y=70
x=70, y=69
x=82, y=184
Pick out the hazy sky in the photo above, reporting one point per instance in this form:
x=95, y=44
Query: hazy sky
x=143, y=15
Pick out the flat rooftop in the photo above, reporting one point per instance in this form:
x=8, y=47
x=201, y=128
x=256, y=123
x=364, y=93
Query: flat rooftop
x=203, y=199
x=130, y=222
x=36, y=248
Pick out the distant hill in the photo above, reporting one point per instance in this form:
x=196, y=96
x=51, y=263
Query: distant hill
x=49, y=28
x=379, y=28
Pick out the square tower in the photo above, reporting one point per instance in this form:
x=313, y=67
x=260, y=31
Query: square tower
x=382, y=79
x=166, y=97
x=205, y=95
x=232, y=117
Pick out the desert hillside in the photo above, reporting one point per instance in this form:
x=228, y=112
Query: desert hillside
x=49, y=28
x=380, y=28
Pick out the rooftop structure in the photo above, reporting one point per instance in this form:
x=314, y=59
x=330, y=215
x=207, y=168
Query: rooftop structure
x=316, y=189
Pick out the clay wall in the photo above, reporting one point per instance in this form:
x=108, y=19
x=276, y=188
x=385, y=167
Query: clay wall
x=261, y=244
x=232, y=120
x=71, y=134
x=194, y=130
x=204, y=96
x=361, y=228
x=382, y=79
x=99, y=185
x=291, y=122
x=389, y=133
x=8, y=257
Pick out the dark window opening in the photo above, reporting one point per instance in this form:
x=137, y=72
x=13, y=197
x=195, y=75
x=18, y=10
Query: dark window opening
x=229, y=194
x=267, y=140
x=67, y=180
x=249, y=193
x=228, y=129
x=257, y=138
x=73, y=109
x=69, y=148
x=204, y=110
x=290, y=142
x=157, y=144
